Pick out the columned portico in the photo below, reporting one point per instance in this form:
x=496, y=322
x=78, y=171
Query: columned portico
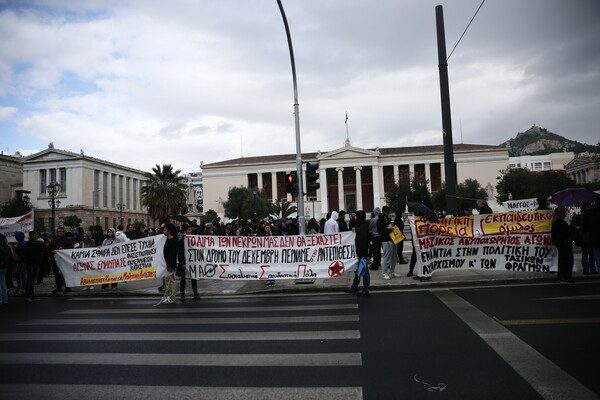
x=359, y=199
x=340, y=174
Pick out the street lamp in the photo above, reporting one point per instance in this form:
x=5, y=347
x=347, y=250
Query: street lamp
x=53, y=189
x=121, y=206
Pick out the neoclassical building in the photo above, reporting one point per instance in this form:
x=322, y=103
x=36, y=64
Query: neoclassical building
x=97, y=191
x=584, y=169
x=351, y=178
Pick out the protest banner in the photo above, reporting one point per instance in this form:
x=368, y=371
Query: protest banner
x=515, y=241
x=23, y=223
x=126, y=261
x=520, y=205
x=270, y=257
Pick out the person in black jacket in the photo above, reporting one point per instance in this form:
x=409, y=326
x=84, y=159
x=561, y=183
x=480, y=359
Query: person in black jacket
x=170, y=253
x=361, y=241
x=562, y=237
x=187, y=230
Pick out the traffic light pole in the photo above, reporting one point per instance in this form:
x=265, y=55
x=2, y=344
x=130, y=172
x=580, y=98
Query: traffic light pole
x=300, y=185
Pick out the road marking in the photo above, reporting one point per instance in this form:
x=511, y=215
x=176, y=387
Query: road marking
x=585, y=297
x=550, y=381
x=111, y=392
x=194, y=321
x=183, y=336
x=170, y=309
x=549, y=321
x=182, y=360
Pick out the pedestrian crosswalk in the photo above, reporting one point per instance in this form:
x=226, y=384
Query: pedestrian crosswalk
x=262, y=347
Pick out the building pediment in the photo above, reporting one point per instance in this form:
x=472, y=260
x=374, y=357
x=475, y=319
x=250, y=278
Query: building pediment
x=51, y=155
x=580, y=162
x=348, y=152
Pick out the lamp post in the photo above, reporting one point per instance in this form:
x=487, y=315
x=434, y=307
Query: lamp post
x=53, y=189
x=94, y=194
x=121, y=206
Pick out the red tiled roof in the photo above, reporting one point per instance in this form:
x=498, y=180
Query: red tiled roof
x=385, y=151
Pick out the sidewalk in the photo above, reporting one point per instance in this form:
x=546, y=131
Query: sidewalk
x=442, y=278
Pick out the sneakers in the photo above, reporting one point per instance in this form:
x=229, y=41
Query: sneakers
x=196, y=296
x=168, y=300
x=386, y=276
x=395, y=275
x=566, y=280
x=85, y=288
x=362, y=293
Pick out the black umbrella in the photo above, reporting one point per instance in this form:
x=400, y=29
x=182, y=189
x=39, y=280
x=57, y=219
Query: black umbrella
x=573, y=197
x=181, y=218
x=426, y=211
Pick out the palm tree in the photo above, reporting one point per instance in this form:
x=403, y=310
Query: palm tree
x=163, y=192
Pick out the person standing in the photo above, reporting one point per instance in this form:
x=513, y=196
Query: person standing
x=6, y=257
x=399, y=222
x=181, y=268
x=31, y=254
x=170, y=253
x=384, y=227
x=86, y=242
x=375, y=240
x=562, y=238
x=60, y=242
x=342, y=221
x=361, y=241
x=111, y=238
x=482, y=206
x=582, y=239
x=332, y=226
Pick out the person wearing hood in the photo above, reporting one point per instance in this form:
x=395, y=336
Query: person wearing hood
x=332, y=226
x=20, y=272
x=6, y=257
x=111, y=238
x=361, y=241
x=375, y=240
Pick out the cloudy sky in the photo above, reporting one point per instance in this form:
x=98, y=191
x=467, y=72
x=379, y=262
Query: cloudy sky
x=184, y=81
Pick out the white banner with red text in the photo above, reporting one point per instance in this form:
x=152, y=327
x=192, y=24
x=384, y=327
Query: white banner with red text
x=23, y=223
x=270, y=257
x=127, y=261
x=512, y=241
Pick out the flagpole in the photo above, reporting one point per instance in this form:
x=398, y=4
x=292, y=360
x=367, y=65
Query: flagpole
x=347, y=134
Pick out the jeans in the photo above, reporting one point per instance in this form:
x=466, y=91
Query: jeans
x=587, y=259
x=21, y=275
x=182, y=284
x=32, y=272
x=366, y=281
x=3, y=288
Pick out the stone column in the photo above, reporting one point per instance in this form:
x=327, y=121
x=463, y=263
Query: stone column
x=274, y=186
x=341, y=199
x=259, y=180
x=359, y=199
x=428, y=175
x=411, y=171
x=376, y=188
x=442, y=173
x=396, y=169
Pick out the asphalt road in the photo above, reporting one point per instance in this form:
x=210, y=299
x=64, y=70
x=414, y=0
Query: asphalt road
x=522, y=342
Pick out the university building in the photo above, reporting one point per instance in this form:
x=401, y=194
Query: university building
x=97, y=191
x=352, y=178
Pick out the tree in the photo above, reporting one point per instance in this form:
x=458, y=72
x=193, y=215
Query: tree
x=519, y=183
x=283, y=208
x=246, y=203
x=138, y=224
x=164, y=192
x=414, y=190
x=467, y=193
x=14, y=208
x=209, y=216
x=73, y=221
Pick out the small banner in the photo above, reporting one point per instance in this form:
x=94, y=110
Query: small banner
x=23, y=223
x=127, y=261
x=513, y=241
x=270, y=257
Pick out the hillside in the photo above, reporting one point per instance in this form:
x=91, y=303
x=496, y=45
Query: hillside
x=537, y=141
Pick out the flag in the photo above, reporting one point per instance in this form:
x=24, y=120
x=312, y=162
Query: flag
x=346, y=121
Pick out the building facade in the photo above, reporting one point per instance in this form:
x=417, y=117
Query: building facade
x=11, y=176
x=97, y=191
x=547, y=162
x=351, y=178
x=584, y=169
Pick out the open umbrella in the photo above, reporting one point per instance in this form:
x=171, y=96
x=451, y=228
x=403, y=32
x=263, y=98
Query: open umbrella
x=180, y=218
x=574, y=197
x=426, y=211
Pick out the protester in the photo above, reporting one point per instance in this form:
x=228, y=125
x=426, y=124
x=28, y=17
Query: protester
x=6, y=257
x=170, y=253
x=562, y=238
x=30, y=255
x=399, y=222
x=592, y=225
x=312, y=227
x=375, y=240
x=332, y=226
x=61, y=241
x=181, y=268
x=384, y=227
x=342, y=221
x=483, y=207
x=112, y=238
x=361, y=241
x=87, y=241
x=21, y=270
x=583, y=240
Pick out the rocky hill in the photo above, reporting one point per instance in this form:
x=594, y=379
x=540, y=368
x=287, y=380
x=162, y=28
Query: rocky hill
x=537, y=141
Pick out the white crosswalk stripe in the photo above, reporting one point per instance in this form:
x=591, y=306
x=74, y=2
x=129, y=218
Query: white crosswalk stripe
x=323, y=333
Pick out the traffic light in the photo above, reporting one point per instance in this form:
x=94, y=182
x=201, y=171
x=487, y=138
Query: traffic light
x=291, y=183
x=311, y=177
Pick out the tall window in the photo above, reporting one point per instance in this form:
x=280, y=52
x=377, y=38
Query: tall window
x=43, y=182
x=53, y=175
x=95, y=197
x=128, y=192
x=121, y=189
x=113, y=190
x=63, y=179
x=135, y=194
x=105, y=189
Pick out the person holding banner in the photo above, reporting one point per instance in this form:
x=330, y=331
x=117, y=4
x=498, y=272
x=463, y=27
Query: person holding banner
x=61, y=241
x=170, y=253
x=113, y=238
x=186, y=231
x=562, y=237
x=6, y=257
x=361, y=242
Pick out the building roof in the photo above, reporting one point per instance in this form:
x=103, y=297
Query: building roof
x=386, y=151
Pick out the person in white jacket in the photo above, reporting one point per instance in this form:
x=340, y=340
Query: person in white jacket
x=331, y=225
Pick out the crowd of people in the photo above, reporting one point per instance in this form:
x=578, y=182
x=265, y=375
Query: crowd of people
x=24, y=264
